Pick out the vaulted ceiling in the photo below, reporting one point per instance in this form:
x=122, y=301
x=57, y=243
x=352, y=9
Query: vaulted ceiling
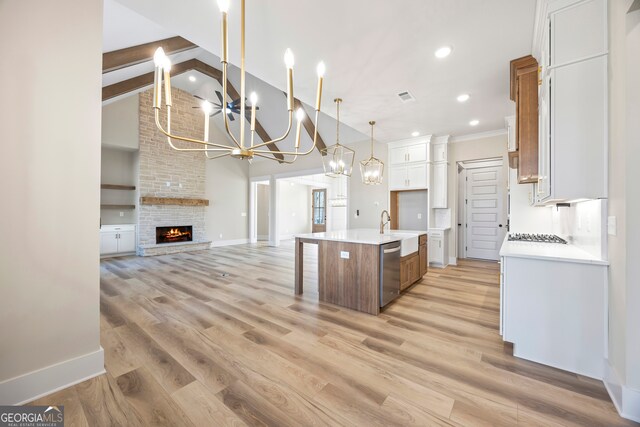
x=373, y=51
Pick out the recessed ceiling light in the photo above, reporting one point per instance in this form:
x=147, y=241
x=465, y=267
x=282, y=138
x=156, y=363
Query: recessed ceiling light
x=463, y=97
x=474, y=122
x=443, y=52
x=416, y=133
x=192, y=78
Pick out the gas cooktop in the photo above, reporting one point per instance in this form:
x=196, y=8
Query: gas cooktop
x=538, y=238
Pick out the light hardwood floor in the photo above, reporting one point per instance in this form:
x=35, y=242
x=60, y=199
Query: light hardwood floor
x=187, y=344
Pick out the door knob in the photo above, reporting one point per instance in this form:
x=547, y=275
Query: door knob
x=500, y=225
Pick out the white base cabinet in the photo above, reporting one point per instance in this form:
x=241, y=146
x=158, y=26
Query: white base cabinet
x=438, y=247
x=554, y=313
x=117, y=239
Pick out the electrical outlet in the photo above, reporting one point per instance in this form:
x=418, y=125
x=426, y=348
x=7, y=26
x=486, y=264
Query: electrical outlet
x=419, y=216
x=344, y=254
x=121, y=213
x=376, y=203
x=168, y=184
x=221, y=235
x=243, y=214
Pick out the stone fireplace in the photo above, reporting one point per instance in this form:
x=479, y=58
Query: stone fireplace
x=168, y=180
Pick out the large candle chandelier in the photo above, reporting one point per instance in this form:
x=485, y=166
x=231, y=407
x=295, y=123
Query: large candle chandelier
x=372, y=168
x=240, y=149
x=337, y=160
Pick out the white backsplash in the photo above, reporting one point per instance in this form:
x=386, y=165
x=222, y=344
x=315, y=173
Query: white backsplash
x=582, y=224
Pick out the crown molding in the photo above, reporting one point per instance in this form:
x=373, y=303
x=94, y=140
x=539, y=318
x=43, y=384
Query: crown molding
x=479, y=135
x=542, y=7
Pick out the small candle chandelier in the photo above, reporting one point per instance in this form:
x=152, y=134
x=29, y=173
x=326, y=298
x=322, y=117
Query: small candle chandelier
x=239, y=149
x=337, y=160
x=372, y=168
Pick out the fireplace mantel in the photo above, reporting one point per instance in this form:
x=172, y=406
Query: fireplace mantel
x=173, y=201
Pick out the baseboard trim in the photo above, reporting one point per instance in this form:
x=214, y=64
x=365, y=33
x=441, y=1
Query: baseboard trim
x=220, y=243
x=34, y=385
x=625, y=399
x=453, y=260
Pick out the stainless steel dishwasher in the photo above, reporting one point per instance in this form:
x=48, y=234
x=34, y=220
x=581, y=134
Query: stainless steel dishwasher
x=389, y=272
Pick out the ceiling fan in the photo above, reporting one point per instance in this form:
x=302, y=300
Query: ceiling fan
x=231, y=108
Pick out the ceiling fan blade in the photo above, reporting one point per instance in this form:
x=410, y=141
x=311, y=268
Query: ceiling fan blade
x=216, y=113
x=199, y=97
x=230, y=116
x=219, y=95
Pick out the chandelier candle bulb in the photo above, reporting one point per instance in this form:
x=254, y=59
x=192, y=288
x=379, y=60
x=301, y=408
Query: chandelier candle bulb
x=158, y=59
x=321, y=70
x=206, y=109
x=224, y=51
x=166, y=67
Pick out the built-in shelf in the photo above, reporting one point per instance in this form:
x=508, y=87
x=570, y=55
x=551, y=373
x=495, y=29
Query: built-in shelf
x=117, y=187
x=117, y=206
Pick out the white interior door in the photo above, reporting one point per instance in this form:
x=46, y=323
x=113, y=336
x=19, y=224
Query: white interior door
x=485, y=225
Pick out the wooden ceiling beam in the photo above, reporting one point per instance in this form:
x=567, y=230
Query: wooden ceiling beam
x=143, y=80
x=133, y=55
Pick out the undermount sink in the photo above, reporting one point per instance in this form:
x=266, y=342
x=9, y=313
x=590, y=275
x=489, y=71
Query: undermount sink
x=408, y=243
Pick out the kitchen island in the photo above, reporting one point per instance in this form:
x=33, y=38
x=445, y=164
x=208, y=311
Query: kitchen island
x=349, y=265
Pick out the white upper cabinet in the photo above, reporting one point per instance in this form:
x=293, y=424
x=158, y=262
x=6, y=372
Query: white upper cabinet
x=572, y=106
x=408, y=160
x=411, y=177
x=578, y=31
x=439, y=187
x=408, y=154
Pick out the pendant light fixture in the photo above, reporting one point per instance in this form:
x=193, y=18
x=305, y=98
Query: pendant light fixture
x=337, y=160
x=244, y=146
x=372, y=168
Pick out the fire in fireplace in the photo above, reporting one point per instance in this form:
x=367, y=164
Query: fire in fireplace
x=174, y=234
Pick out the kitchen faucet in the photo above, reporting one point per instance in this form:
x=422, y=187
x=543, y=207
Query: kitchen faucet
x=382, y=222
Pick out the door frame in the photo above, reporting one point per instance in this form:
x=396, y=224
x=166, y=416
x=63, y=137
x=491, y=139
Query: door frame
x=461, y=211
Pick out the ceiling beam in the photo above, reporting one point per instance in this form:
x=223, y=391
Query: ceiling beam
x=133, y=55
x=144, y=80
x=309, y=126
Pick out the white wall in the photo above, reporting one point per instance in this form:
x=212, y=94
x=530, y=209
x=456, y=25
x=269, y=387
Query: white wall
x=294, y=209
x=459, y=151
x=262, y=210
x=50, y=118
x=120, y=123
x=624, y=198
x=227, y=188
x=370, y=200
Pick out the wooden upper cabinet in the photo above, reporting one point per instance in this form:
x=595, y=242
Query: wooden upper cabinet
x=524, y=91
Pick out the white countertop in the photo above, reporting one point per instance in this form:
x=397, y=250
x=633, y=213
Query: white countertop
x=367, y=236
x=548, y=251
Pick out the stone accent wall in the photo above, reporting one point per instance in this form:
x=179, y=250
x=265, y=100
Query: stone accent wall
x=165, y=172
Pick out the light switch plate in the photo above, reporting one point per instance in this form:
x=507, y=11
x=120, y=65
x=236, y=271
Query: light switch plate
x=612, y=226
x=243, y=214
x=419, y=216
x=344, y=254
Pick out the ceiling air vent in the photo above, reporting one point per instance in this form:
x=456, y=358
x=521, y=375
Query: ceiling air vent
x=406, y=97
